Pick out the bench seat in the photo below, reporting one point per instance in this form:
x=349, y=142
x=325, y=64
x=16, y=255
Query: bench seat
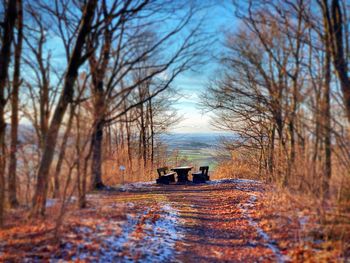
x=164, y=176
x=202, y=176
x=198, y=178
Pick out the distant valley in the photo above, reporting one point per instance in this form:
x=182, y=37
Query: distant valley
x=196, y=149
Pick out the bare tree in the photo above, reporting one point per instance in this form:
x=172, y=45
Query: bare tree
x=276, y=86
x=131, y=47
x=40, y=89
x=75, y=61
x=5, y=56
x=12, y=181
x=334, y=29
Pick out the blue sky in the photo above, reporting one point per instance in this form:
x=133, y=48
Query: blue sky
x=217, y=19
x=192, y=84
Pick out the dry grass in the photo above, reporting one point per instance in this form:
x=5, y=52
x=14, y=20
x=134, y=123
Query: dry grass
x=320, y=228
x=319, y=231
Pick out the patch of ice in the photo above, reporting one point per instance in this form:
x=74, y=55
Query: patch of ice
x=112, y=243
x=271, y=244
x=83, y=229
x=137, y=185
x=156, y=244
x=232, y=180
x=50, y=202
x=159, y=242
x=247, y=181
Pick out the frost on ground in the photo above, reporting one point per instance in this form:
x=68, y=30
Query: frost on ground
x=271, y=244
x=149, y=236
x=232, y=181
x=228, y=220
x=51, y=202
x=137, y=185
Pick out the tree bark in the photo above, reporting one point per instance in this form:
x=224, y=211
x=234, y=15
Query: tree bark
x=143, y=137
x=66, y=97
x=96, y=164
x=128, y=137
x=98, y=71
x=271, y=157
x=334, y=25
x=5, y=55
x=152, y=132
x=56, y=188
x=12, y=184
x=326, y=109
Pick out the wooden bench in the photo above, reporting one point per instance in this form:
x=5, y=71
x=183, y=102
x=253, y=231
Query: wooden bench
x=165, y=177
x=202, y=176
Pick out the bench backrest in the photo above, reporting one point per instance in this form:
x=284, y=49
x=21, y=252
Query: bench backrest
x=204, y=170
x=162, y=171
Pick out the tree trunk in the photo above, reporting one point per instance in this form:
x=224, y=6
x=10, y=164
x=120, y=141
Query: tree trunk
x=12, y=184
x=56, y=188
x=144, y=141
x=78, y=150
x=97, y=139
x=98, y=71
x=66, y=97
x=128, y=138
x=97, y=135
x=5, y=55
x=316, y=145
x=271, y=158
x=333, y=22
x=82, y=196
x=152, y=132
x=44, y=111
x=327, y=122
x=140, y=149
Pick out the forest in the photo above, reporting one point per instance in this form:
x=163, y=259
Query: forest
x=89, y=98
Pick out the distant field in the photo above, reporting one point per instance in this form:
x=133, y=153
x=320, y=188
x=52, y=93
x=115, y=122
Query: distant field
x=199, y=157
x=197, y=149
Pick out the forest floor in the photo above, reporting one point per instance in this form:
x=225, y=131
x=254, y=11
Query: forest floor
x=228, y=220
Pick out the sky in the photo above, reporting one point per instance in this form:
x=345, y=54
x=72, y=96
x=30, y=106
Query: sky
x=192, y=84
x=193, y=120
x=218, y=19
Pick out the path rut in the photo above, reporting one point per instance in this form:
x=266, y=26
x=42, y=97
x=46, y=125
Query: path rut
x=217, y=224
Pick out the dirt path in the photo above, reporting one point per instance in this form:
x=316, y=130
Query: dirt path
x=218, y=223
x=213, y=222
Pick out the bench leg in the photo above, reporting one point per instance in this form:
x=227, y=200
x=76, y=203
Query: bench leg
x=172, y=178
x=163, y=180
x=198, y=179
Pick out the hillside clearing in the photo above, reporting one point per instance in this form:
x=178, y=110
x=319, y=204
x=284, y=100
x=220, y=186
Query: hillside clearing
x=224, y=220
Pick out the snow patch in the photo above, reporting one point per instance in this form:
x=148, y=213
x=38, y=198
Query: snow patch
x=231, y=180
x=50, y=202
x=155, y=242
x=137, y=185
x=271, y=244
x=159, y=242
